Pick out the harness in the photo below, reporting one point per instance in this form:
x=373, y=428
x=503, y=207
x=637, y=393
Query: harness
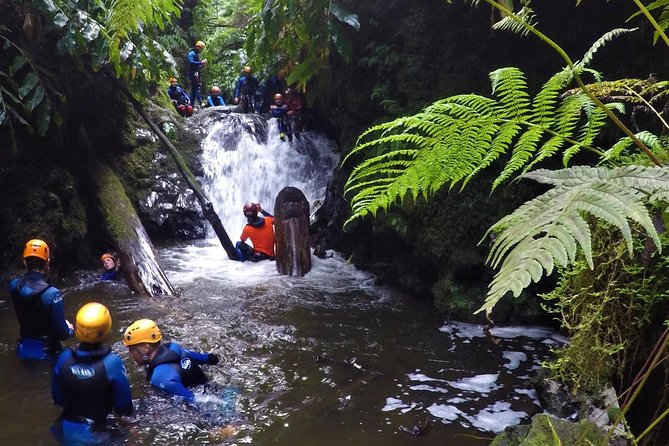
x=190, y=373
x=33, y=316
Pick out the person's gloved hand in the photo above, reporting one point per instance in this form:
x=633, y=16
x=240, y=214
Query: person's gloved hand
x=213, y=358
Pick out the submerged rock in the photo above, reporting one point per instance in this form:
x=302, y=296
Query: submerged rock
x=545, y=428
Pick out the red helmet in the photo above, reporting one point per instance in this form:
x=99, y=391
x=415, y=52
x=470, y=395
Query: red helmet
x=250, y=210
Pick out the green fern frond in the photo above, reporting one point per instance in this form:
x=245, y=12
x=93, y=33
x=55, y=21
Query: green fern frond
x=550, y=228
x=526, y=14
x=601, y=42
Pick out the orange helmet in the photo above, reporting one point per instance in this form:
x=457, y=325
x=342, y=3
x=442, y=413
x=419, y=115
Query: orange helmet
x=199, y=44
x=172, y=79
x=36, y=248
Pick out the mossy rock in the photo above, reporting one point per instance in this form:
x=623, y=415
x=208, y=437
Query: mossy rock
x=543, y=430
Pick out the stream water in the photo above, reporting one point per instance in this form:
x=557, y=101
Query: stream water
x=326, y=359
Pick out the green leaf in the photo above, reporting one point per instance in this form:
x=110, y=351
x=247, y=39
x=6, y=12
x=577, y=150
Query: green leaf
x=43, y=118
x=28, y=84
x=34, y=99
x=19, y=62
x=60, y=20
x=345, y=16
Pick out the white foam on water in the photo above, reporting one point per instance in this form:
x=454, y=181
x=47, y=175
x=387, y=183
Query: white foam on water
x=496, y=417
x=445, y=412
x=468, y=331
x=480, y=383
x=514, y=358
x=421, y=377
x=427, y=388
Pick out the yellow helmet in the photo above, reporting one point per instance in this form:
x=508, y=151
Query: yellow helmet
x=143, y=330
x=247, y=69
x=36, y=248
x=199, y=44
x=93, y=323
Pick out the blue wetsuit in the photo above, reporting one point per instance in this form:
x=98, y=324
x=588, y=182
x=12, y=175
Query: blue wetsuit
x=215, y=100
x=195, y=75
x=177, y=94
x=41, y=315
x=174, y=369
x=88, y=384
x=280, y=112
x=246, y=91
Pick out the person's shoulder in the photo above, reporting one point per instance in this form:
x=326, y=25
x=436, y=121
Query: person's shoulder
x=52, y=294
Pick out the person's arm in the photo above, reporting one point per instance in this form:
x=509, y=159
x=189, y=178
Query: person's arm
x=240, y=82
x=202, y=358
x=59, y=325
x=167, y=379
x=193, y=61
x=262, y=211
x=210, y=101
x=121, y=397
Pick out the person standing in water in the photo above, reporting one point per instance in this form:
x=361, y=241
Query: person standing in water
x=89, y=382
x=112, y=267
x=170, y=368
x=38, y=306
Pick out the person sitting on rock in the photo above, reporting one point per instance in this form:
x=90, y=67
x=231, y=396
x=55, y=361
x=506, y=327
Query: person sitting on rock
x=215, y=98
x=112, y=267
x=170, y=368
x=260, y=230
x=179, y=98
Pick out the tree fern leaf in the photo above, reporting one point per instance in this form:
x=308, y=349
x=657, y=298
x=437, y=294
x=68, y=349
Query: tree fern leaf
x=510, y=86
x=522, y=152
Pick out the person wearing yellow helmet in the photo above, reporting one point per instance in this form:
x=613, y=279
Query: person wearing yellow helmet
x=215, y=98
x=245, y=93
x=170, y=368
x=279, y=110
x=179, y=98
x=89, y=382
x=38, y=306
x=195, y=66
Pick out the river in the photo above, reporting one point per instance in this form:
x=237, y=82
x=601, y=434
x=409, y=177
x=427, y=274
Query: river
x=326, y=359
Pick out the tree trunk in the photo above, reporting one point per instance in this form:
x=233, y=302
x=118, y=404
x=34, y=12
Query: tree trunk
x=291, y=225
x=138, y=258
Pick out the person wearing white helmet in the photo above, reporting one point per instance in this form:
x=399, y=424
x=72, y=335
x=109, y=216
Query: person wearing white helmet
x=215, y=99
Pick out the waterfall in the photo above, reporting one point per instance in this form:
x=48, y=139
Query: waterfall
x=244, y=160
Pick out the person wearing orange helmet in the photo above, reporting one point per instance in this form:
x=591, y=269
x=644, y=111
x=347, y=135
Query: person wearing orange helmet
x=195, y=66
x=260, y=230
x=111, y=265
x=279, y=110
x=245, y=93
x=179, y=98
x=38, y=306
x=215, y=99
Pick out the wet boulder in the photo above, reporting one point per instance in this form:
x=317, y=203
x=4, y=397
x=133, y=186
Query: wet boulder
x=291, y=226
x=170, y=209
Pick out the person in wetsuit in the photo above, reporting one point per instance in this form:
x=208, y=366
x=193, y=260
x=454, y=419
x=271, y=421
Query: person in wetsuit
x=89, y=382
x=260, y=230
x=112, y=267
x=179, y=98
x=38, y=306
x=195, y=66
x=279, y=110
x=215, y=98
x=170, y=367
x=245, y=93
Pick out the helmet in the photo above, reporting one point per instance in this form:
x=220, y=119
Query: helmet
x=247, y=69
x=143, y=330
x=215, y=89
x=172, y=79
x=107, y=255
x=36, y=248
x=250, y=210
x=278, y=96
x=199, y=44
x=93, y=323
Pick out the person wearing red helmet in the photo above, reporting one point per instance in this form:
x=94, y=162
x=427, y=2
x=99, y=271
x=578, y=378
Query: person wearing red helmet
x=38, y=306
x=260, y=230
x=112, y=267
x=279, y=110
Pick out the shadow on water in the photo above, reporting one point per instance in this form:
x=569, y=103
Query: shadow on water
x=325, y=359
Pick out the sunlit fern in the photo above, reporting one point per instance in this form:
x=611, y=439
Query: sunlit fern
x=552, y=227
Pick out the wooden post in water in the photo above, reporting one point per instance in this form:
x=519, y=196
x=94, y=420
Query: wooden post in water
x=291, y=228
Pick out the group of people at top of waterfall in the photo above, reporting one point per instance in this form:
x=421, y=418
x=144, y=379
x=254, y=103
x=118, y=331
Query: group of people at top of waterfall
x=89, y=381
x=283, y=103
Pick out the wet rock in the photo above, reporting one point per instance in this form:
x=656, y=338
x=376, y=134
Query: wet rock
x=171, y=210
x=543, y=429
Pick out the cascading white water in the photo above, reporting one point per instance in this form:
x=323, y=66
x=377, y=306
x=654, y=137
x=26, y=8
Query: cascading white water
x=244, y=160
